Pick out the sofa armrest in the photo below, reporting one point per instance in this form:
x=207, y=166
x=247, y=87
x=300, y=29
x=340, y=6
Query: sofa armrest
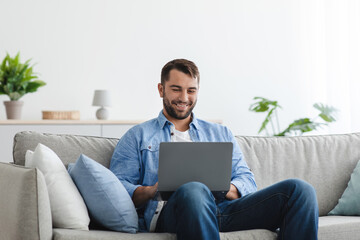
x=24, y=204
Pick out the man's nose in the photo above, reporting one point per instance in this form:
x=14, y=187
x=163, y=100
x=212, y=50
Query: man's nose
x=184, y=96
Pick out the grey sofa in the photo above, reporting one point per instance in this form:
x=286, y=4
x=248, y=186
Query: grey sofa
x=324, y=161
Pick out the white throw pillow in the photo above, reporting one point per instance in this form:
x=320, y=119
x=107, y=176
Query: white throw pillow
x=68, y=208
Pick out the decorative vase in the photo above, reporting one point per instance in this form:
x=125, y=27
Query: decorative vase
x=13, y=109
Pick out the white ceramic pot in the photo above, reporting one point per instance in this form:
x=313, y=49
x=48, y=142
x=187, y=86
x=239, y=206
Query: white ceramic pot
x=13, y=109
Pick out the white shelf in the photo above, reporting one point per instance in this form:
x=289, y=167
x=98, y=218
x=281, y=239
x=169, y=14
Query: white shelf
x=69, y=122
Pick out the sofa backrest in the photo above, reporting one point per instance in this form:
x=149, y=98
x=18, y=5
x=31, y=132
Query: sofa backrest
x=67, y=147
x=325, y=161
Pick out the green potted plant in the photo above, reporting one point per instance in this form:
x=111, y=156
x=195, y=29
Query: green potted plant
x=298, y=127
x=16, y=80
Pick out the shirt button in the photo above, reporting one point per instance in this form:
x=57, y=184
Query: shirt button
x=172, y=134
x=149, y=147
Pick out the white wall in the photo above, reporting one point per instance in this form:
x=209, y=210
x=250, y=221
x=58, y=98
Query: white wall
x=296, y=52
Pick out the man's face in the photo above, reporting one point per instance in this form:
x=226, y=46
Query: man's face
x=179, y=95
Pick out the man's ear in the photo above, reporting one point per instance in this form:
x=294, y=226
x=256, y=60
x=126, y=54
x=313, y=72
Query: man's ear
x=161, y=90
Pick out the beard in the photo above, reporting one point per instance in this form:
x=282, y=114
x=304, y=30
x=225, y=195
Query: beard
x=174, y=113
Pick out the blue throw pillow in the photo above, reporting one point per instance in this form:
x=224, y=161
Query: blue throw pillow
x=106, y=198
x=349, y=203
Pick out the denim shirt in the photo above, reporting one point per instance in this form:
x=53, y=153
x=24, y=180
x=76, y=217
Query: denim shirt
x=136, y=157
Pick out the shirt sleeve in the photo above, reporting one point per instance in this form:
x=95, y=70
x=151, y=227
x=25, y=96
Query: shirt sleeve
x=241, y=177
x=125, y=162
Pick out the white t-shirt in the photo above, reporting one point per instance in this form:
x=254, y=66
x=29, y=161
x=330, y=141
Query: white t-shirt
x=178, y=136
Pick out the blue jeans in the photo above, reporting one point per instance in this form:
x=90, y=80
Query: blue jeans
x=193, y=213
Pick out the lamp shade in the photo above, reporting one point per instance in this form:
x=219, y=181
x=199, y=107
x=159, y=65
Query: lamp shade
x=102, y=98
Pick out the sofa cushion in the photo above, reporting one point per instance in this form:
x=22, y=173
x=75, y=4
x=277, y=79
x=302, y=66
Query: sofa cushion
x=339, y=227
x=68, y=209
x=68, y=147
x=66, y=234
x=349, y=203
x=325, y=161
x=106, y=198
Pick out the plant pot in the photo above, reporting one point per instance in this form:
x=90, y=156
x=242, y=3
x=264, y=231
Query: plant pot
x=13, y=109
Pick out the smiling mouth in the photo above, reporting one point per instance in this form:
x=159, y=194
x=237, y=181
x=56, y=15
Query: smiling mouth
x=181, y=106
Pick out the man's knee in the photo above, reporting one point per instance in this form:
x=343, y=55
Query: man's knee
x=301, y=185
x=302, y=189
x=195, y=200
x=193, y=188
x=194, y=192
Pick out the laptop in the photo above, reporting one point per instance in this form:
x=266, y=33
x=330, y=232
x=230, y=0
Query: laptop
x=206, y=162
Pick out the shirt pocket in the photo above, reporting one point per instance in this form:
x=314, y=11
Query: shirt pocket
x=150, y=162
x=152, y=146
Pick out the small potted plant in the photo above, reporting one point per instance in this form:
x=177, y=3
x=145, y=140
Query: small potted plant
x=16, y=80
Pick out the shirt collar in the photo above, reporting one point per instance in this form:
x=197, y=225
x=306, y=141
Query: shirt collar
x=162, y=120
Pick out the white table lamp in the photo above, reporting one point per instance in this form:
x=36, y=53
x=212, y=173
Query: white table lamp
x=102, y=99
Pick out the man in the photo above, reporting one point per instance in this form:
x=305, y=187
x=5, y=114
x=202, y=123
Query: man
x=192, y=212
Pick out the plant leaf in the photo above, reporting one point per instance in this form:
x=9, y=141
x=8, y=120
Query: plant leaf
x=17, y=59
x=33, y=86
x=16, y=96
x=327, y=113
x=263, y=105
x=3, y=64
x=267, y=120
x=302, y=125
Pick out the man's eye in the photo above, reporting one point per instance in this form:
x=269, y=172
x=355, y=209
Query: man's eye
x=176, y=90
x=191, y=91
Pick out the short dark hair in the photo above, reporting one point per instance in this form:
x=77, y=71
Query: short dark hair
x=182, y=65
